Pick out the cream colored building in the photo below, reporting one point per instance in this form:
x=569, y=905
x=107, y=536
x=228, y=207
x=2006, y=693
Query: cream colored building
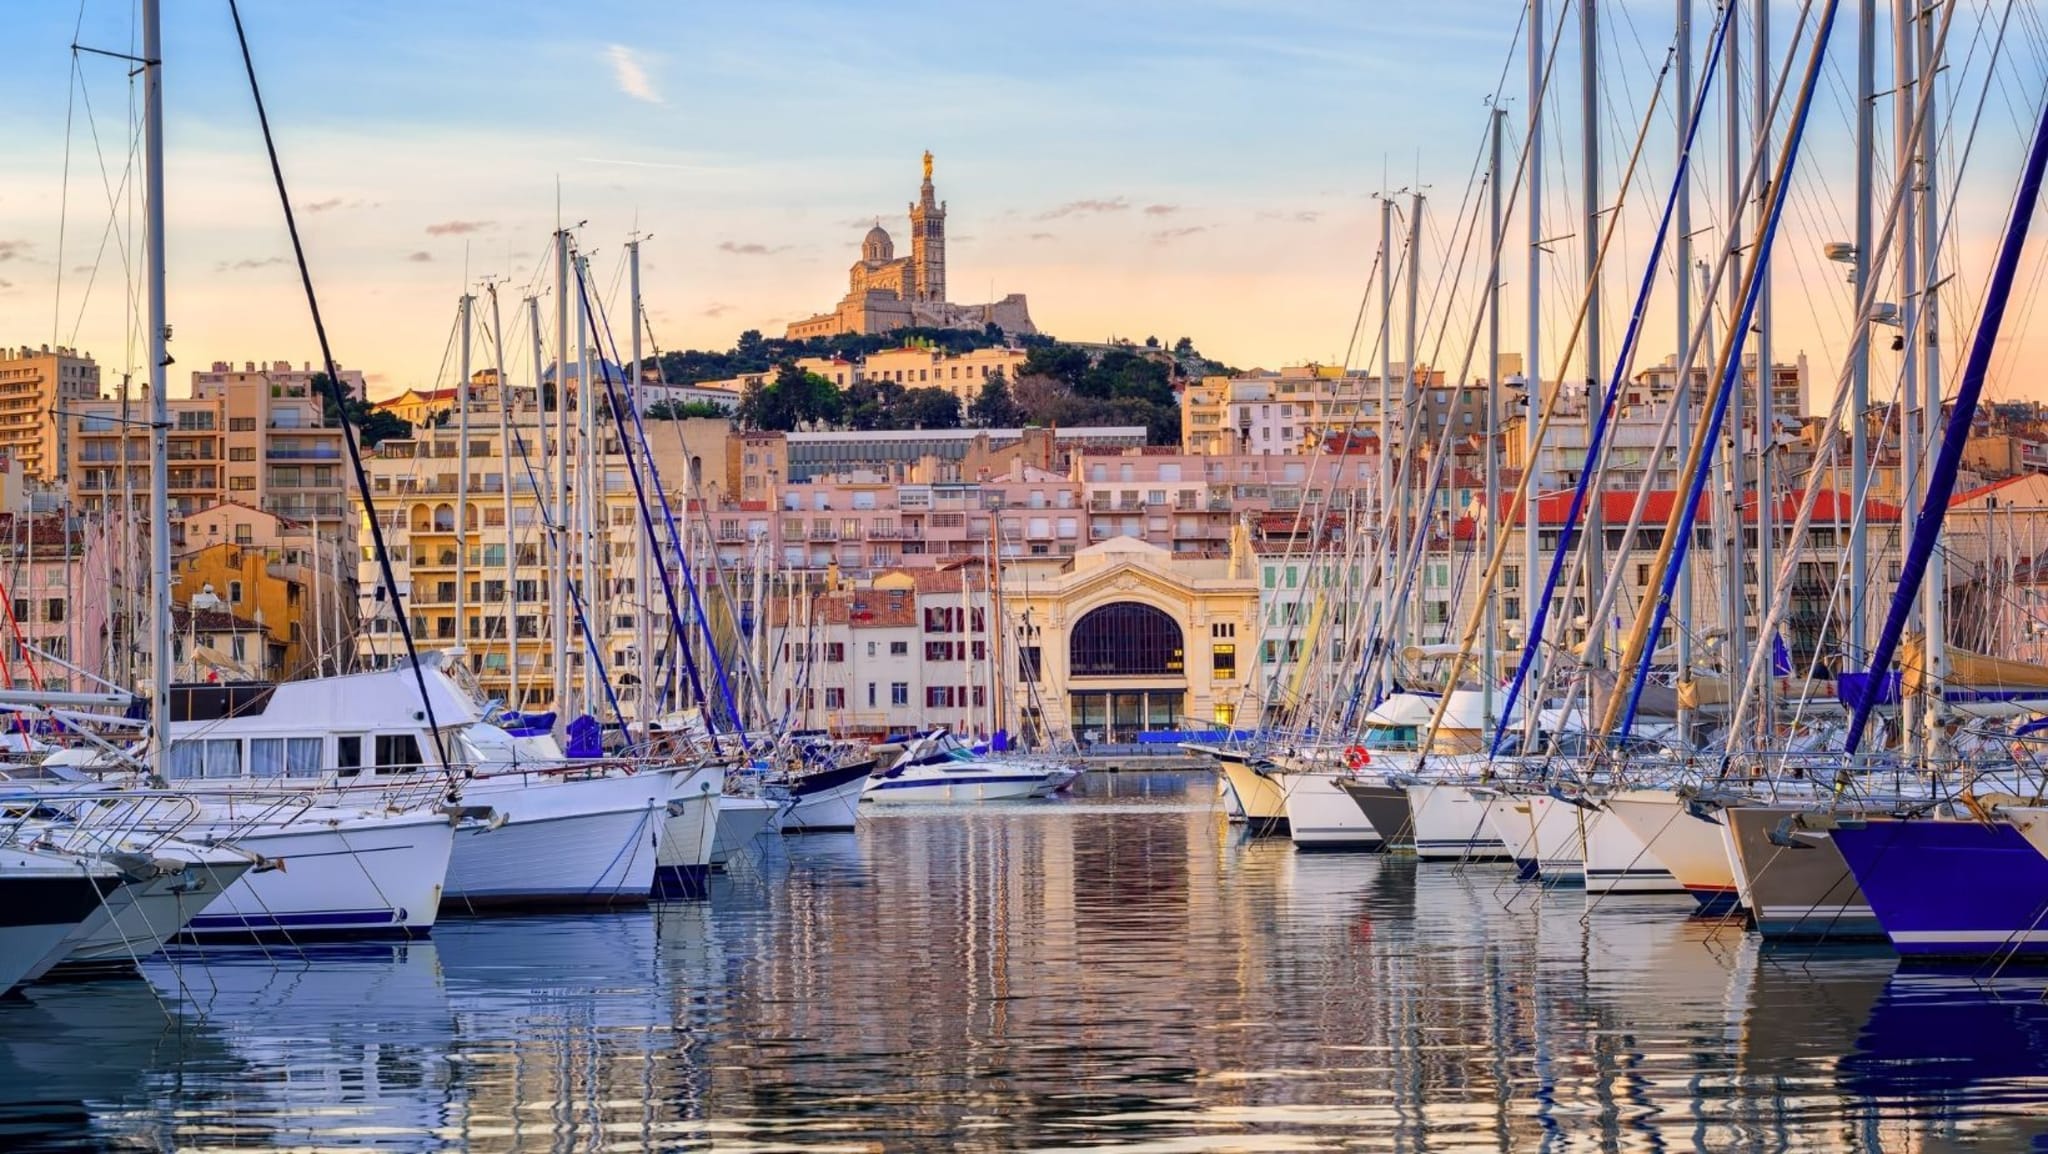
x=34, y=385
x=961, y=374
x=1124, y=637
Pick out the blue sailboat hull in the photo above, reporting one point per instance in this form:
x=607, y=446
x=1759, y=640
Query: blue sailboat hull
x=1950, y=888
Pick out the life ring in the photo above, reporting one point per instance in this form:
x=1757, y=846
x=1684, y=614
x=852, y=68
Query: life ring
x=1356, y=757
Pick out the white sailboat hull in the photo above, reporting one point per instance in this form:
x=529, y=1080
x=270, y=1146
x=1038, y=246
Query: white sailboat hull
x=139, y=918
x=740, y=821
x=1451, y=824
x=1320, y=815
x=359, y=876
x=1557, y=839
x=563, y=841
x=47, y=898
x=689, y=834
x=1616, y=861
x=1259, y=796
x=1689, y=848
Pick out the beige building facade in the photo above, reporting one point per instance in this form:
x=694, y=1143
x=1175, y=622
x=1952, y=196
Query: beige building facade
x=36, y=384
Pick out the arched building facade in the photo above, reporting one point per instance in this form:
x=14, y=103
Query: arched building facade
x=1124, y=637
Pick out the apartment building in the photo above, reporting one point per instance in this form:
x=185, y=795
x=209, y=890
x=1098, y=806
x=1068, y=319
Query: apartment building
x=254, y=435
x=486, y=588
x=36, y=386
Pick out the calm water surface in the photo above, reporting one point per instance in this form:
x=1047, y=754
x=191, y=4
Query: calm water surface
x=1112, y=972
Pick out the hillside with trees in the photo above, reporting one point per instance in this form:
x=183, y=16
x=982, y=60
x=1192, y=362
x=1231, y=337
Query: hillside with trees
x=1058, y=384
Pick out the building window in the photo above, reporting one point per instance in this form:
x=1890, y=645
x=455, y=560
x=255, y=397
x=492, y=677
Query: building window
x=1223, y=630
x=1223, y=662
x=899, y=693
x=1125, y=640
x=1030, y=665
x=871, y=695
x=835, y=697
x=899, y=649
x=835, y=651
x=235, y=592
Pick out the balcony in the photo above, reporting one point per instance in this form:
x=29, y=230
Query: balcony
x=289, y=453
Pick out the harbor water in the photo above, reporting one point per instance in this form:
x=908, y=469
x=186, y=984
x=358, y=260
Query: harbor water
x=1114, y=971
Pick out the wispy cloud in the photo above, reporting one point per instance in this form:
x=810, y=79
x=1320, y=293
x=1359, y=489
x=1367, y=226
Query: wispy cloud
x=459, y=227
x=1043, y=236
x=1168, y=236
x=321, y=205
x=1305, y=216
x=247, y=263
x=420, y=257
x=1086, y=208
x=715, y=309
x=13, y=250
x=750, y=248
x=630, y=74
x=1161, y=209
x=6, y=284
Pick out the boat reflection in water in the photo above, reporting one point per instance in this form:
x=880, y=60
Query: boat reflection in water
x=1116, y=972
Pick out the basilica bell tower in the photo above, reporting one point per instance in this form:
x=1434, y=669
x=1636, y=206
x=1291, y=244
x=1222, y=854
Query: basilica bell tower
x=928, y=241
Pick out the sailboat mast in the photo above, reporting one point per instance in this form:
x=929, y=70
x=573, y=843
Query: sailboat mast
x=559, y=544
x=1412, y=519
x=1386, y=534
x=1681, y=389
x=1532, y=372
x=590, y=509
x=1496, y=208
x=511, y=617
x=1934, y=593
x=462, y=479
x=1589, y=174
x=643, y=549
x=159, y=402
x=1858, y=632
x=1904, y=92
x=1734, y=584
x=1766, y=422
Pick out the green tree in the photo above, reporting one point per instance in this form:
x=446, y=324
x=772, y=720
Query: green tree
x=994, y=408
x=930, y=408
x=682, y=410
x=793, y=398
x=373, y=425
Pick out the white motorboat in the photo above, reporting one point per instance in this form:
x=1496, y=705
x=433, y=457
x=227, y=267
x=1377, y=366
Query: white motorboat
x=340, y=872
x=937, y=768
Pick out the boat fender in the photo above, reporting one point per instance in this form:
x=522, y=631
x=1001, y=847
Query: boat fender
x=1356, y=757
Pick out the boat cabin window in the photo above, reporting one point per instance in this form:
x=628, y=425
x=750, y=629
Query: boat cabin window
x=396, y=750
x=348, y=754
x=216, y=758
x=1390, y=736
x=284, y=756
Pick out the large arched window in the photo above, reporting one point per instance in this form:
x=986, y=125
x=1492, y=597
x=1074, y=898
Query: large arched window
x=1125, y=640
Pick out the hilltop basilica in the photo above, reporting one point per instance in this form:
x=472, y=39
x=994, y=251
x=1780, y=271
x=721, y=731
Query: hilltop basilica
x=885, y=291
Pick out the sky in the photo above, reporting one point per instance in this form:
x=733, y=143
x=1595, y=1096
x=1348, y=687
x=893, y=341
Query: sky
x=1202, y=168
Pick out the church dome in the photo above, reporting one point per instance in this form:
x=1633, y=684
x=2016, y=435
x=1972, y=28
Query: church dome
x=877, y=246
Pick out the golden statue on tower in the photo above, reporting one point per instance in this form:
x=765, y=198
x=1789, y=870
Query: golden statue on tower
x=927, y=166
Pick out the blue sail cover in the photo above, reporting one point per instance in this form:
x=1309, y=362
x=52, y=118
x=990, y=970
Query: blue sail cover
x=586, y=738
